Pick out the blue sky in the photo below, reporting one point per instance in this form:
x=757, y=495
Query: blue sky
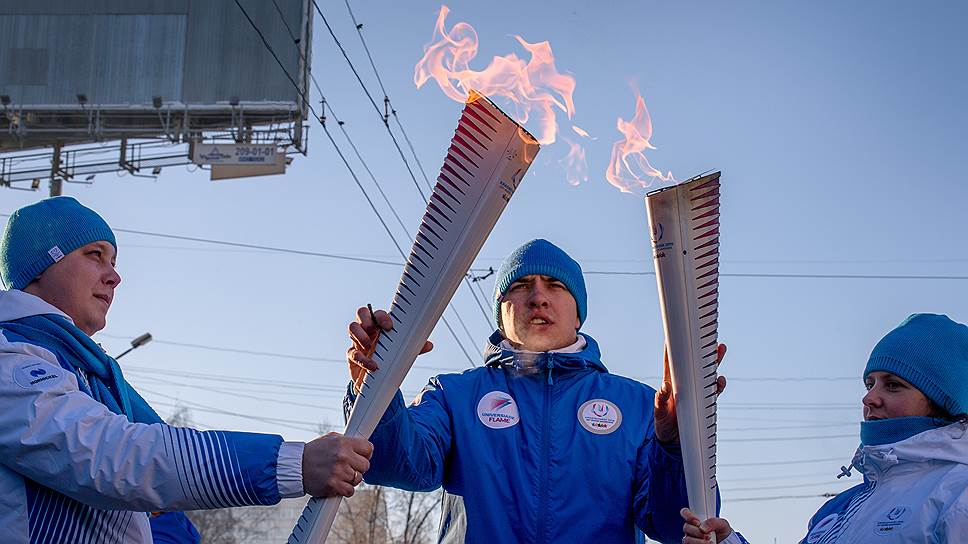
x=838, y=127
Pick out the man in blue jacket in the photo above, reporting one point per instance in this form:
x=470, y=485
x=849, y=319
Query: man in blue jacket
x=541, y=444
x=83, y=458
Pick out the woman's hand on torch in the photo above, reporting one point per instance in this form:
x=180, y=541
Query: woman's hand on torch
x=334, y=464
x=666, y=424
x=364, y=333
x=698, y=532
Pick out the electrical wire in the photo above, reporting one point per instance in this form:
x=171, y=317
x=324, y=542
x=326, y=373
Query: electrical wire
x=383, y=116
x=257, y=353
x=413, y=152
x=322, y=122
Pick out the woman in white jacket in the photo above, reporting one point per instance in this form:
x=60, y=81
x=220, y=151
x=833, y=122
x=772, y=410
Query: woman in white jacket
x=914, y=447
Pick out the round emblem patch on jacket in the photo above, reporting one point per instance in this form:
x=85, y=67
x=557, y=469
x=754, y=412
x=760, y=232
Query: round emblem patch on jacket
x=498, y=410
x=37, y=376
x=821, y=529
x=600, y=416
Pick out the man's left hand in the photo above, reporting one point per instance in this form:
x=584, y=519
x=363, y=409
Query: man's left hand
x=666, y=424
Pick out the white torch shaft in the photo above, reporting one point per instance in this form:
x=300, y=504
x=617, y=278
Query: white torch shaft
x=486, y=161
x=685, y=237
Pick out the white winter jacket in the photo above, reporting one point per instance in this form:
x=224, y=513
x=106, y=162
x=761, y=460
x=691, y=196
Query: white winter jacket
x=72, y=471
x=915, y=490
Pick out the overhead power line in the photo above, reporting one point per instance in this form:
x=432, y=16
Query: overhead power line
x=289, y=423
x=804, y=276
x=484, y=270
x=794, y=462
x=728, y=489
x=384, y=116
x=788, y=438
x=827, y=495
x=274, y=354
x=322, y=121
x=389, y=109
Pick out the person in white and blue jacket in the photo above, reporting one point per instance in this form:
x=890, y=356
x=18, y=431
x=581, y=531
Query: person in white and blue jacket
x=913, y=450
x=541, y=444
x=83, y=457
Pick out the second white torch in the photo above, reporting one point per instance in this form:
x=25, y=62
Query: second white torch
x=685, y=243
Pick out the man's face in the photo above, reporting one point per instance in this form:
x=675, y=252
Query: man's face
x=539, y=314
x=81, y=285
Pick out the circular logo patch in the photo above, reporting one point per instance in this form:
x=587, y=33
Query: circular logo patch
x=600, y=416
x=892, y=522
x=821, y=529
x=37, y=375
x=498, y=410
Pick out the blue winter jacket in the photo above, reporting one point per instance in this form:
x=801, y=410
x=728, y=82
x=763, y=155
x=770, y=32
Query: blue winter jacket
x=564, y=453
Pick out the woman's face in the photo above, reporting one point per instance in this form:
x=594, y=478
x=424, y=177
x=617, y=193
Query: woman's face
x=890, y=396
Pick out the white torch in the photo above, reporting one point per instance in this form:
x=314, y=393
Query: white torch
x=486, y=161
x=685, y=243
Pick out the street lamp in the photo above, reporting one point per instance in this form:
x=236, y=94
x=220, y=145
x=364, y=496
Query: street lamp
x=136, y=343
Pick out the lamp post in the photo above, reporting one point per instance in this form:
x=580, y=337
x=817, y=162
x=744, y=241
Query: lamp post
x=136, y=343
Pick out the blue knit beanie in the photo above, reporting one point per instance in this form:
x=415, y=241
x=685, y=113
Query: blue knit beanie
x=546, y=259
x=930, y=352
x=41, y=234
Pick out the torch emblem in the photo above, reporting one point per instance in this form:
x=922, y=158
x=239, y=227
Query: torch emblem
x=600, y=416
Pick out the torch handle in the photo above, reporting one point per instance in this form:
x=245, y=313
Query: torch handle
x=314, y=523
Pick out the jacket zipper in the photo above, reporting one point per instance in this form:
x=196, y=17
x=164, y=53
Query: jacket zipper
x=545, y=454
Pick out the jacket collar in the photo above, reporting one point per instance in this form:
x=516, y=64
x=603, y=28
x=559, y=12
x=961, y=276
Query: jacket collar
x=16, y=304
x=948, y=444
x=497, y=357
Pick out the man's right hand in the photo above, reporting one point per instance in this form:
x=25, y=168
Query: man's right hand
x=334, y=464
x=364, y=333
x=697, y=532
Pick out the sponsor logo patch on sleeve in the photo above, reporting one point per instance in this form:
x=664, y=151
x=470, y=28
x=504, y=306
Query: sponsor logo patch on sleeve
x=37, y=376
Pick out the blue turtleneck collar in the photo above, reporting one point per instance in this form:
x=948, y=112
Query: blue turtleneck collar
x=888, y=431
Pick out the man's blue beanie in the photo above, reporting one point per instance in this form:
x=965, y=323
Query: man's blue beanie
x=41, y=234
x=546, y=259
x=930, y=352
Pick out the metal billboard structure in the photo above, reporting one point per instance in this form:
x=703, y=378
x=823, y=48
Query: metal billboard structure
x=158, y=76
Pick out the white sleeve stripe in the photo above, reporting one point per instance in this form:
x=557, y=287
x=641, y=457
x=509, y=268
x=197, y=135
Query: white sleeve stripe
x=43, y=513
x=218, y=472
x=245, y=490
x=209, y=470
x=185, y=444
x=245, y=484
x=225, y=467
x=204, y=464
x=178, y=457
x=170, y=449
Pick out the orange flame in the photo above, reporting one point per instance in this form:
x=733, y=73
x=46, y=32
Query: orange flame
x=536, y=88
x=629, y=168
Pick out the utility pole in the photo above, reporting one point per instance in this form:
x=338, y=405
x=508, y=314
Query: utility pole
x=56, y=183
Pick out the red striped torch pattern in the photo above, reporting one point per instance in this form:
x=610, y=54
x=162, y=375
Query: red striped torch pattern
x=685, y=240
x=487, y=159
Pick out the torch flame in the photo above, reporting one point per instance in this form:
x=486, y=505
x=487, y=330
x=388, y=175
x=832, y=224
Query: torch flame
x=536, y=88
x=629, y=168
x=576, y=168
